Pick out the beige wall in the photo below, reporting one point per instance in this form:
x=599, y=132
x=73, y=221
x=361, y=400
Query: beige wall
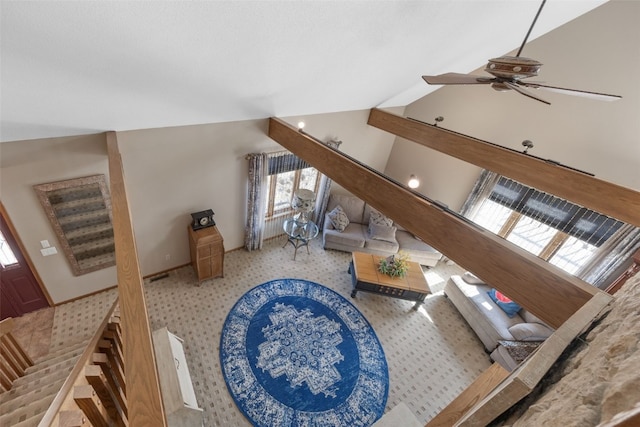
x=169, y=173
x=598, y=52
x=27, y=163
x=172, y=172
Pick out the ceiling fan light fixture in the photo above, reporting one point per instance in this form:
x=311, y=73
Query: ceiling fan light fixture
x=511, y=67
x=500, y=87
x=509, y=73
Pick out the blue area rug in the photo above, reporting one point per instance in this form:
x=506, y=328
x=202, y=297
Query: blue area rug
x=295, y=353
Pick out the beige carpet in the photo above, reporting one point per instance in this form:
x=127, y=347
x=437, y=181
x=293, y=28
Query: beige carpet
x=432, y=353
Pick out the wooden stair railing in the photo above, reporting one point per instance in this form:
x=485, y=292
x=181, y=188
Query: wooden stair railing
x=94, y=391
x=116, y=381
x=143, y=385
x=14, y=361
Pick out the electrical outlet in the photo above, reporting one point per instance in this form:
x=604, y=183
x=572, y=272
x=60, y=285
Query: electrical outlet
x=167, y=257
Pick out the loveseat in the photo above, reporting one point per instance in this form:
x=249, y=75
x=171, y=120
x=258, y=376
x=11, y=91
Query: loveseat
x=366, y=230
x=491, y=323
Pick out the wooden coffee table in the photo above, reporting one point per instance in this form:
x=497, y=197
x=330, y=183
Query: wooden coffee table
x=366, y=277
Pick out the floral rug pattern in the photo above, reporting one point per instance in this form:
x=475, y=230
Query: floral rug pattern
x=295, y=353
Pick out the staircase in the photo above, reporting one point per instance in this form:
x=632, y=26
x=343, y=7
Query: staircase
x=31, y=395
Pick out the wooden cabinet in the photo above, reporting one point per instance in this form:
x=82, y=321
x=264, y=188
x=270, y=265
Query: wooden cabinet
x=207, y=252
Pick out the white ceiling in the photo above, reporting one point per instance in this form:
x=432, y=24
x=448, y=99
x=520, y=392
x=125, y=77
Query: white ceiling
x=79, y=67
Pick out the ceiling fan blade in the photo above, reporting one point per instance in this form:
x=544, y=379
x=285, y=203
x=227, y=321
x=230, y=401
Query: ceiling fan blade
x=524, y=92
x=576, y=92
x=456, y=79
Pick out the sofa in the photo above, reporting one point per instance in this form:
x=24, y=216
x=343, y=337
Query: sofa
x=366, y=230
x=495, y=328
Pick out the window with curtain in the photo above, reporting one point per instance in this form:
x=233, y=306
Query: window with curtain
x=286, y=174
x=272, y=180
x=554, y=229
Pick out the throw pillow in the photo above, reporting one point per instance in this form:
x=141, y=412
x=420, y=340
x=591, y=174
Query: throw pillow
x=530, y=332
x=382, y=232
x=472, y=279
x=379, y=219
x=509, y=307
x=530, y=318
x=338, y=218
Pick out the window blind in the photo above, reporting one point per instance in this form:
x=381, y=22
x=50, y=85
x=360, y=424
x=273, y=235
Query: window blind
x=286, y=163
x=577, y=221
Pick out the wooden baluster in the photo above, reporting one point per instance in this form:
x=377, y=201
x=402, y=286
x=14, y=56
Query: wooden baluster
x=11, y=347
x=72, y=419
x=22, y=358
x=115, y=329
x=98, y=380
x=87, y=399
x=8, y=374
x=11, y=356
x=5, y=383
x=116, y=321
x=116, y=346
x=102, y=360
x=105, y=347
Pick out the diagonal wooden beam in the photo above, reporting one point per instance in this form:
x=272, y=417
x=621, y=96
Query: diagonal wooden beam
x=546, y=291
x=610, y=199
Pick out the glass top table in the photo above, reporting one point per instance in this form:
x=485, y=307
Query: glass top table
x=299, y=233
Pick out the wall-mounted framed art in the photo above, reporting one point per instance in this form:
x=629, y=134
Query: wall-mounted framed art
x=80, y=213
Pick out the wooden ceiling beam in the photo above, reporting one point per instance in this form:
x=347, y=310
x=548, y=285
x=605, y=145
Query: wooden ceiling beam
x=586, y=190
x=543, y=289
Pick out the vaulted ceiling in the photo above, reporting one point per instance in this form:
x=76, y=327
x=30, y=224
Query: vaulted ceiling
x=71, y=68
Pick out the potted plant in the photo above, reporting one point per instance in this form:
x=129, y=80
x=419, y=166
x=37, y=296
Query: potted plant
x=395, y=265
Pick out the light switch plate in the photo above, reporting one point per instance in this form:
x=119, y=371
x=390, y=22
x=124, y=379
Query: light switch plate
x=44, y=243
x=49, y=251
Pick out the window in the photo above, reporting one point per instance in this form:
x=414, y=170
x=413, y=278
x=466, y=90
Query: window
x=560, y=232
x=288, y=173
x=573, y=254
x=531, y=235
x=7, y=258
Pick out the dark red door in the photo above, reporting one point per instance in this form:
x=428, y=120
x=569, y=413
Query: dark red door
x=20, y=292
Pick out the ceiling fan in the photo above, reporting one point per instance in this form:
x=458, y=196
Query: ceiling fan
x=508, y=73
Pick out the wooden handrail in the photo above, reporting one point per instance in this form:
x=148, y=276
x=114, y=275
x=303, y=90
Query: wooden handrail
x=122, y=349
x=65, y=395
x=143, y=387
x=477, y=390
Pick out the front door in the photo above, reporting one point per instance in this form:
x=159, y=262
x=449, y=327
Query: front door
x=20, y=292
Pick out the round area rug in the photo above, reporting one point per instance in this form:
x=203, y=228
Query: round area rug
x=295, y=353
